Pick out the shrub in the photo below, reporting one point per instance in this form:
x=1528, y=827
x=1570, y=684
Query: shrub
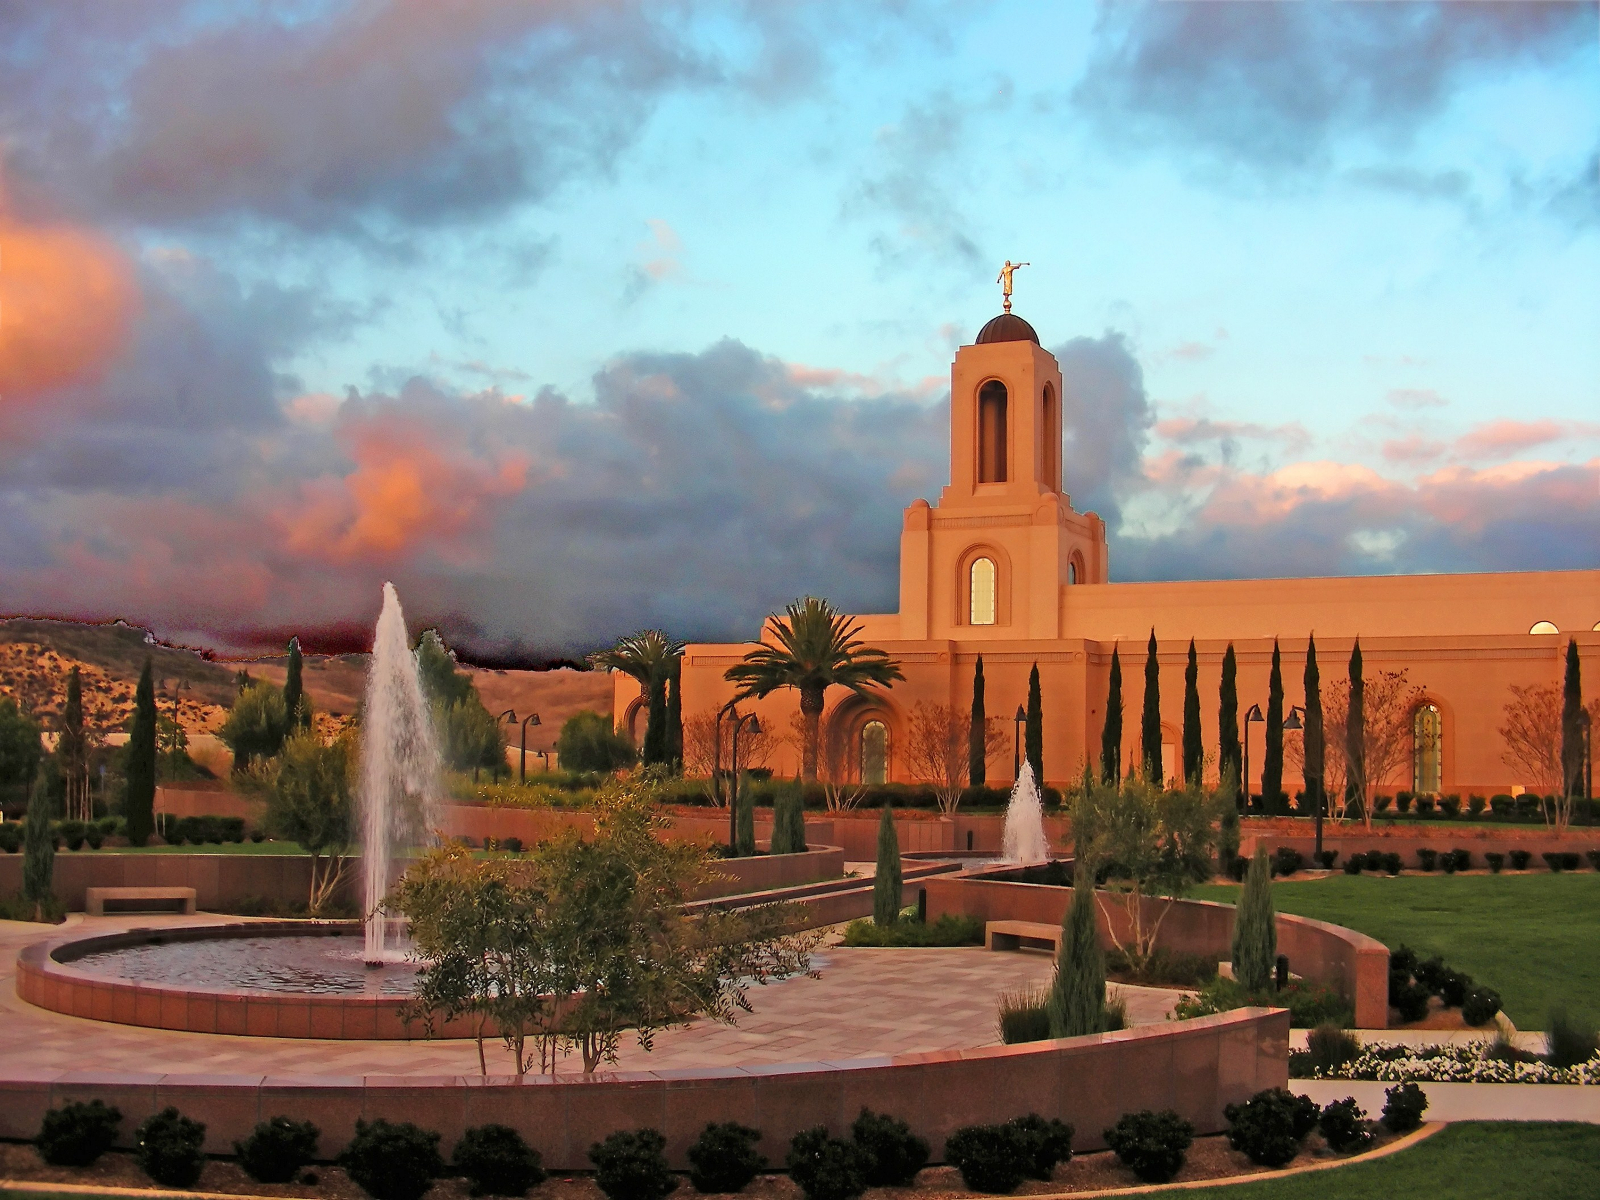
x=1410, y=998
x=1152, y=1144
x=1553, y=861
x=1238, y=867
x=1569, y=1041
x=1453, y=987
x=1594, y=859
x=1381, y=803
x=1328, y=1048
x=1480, y=1005
x=1024, y=1014
x=723, y=1158
x=1403, y=1106
x=1268, y=1126
x=1344, y=1125
x=630, y=1165
x=951, y=929
x=893, y=1153
x=396, y=1161
x=1475, y=806
x=1425, y=806
x=1327, y=858
x=277, y=1149
x=76, y=1134
x=1519, y=860
x=991, y=1158
x=1502, y=805
x=1495, y=860
x=1402, y=802
x=827, y=1168
x=1570, y=860
x=169, y=1148
x=10, y=837
x=1463, y=859
x=1353, y=864
x=1044, y=1143
x=1427, y=859
x=497, y=1162
x=512, y=844
x=231, y=829
x=1447, y=862
x=1286, y=860
x=71, y=833
x=94, y=837
x=1451, y=806
x=589, y=742
x=1391, y=863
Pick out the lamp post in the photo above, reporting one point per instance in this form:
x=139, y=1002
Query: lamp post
x=531, y=719
x=716, y=766
x=733, y=784
x=1253, y=717
x=1016, y=744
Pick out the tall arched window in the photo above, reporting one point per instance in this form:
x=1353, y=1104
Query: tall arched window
x=1427, y=751
x=874, y=752
x=1072, y=570
x=981, y=580
x=992, y=432
x=1050, y=430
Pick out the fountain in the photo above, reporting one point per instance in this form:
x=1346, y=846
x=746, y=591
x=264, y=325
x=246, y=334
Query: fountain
x=1023, y=839
x=399, y=771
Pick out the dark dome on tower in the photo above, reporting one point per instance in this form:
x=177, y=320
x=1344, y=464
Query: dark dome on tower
x=1007, y=327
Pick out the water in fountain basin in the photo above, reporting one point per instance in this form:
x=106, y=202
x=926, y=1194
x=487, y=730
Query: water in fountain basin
x=1023, y=840
x=399, y=767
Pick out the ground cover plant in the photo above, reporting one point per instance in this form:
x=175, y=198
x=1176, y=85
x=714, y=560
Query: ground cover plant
x=1513, y=933
x=1478, y=1062
x=952, y=929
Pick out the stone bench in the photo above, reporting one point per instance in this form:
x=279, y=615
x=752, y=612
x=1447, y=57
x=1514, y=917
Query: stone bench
x=1018, y=935
x=98, y=901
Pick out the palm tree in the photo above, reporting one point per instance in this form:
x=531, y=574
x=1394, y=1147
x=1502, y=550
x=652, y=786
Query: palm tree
x=650, y=657
x=816, y=648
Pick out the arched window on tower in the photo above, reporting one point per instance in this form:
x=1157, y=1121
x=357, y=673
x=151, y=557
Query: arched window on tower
x=874, y=753
x=1072, y=570
x=981, y=580
x=992, y=432
x=1427, y=751
x=1050, y=430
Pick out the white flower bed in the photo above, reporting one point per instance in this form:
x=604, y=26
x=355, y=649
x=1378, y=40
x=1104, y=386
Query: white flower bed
x=1454, y=1064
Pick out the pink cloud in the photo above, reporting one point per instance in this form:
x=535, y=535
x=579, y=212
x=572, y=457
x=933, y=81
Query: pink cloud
x=1504, y=437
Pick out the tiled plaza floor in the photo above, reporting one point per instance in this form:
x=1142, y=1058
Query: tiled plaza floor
x=867, y=1002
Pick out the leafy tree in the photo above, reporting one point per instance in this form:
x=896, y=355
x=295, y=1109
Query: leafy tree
x=441, y=682
x=651, y=658
x=312, y=802
x=1229, y=752
x=1272, y=757
x=470, y=738
x=589, y=742
x=1111, y=731
x=816, y=647
x=1150, y=724
x=38, y=840
x=1194, y=754
x=1149, y=843
x=886, y=882
x=20, y=748
x=1572, y=725
x=296, y=705
x=255, y=726
x=1077, y=1003
x=1312, y=744
x=138, y=808
x=1355, y=739
x=1033, y=728
x=1255, y=932
x=977, y=750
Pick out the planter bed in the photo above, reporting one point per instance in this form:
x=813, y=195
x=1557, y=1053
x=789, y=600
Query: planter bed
x=1450, y=1064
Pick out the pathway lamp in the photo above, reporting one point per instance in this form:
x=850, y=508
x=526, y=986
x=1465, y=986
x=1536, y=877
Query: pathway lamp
x=1016, y=744
x=1253, y=717
x=531, y=719
x=733, y=783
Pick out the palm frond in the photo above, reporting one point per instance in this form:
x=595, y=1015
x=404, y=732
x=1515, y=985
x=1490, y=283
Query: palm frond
x=644, y=656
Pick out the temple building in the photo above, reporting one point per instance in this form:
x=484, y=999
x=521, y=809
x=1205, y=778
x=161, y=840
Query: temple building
x=1003, y=566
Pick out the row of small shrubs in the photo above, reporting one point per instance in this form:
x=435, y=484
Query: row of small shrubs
x=1271, y=1126
x=1309, y=1004
x=72, y=834
x=1413, y=981
x=199, y=831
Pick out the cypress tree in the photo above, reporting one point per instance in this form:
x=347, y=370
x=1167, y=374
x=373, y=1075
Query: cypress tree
x=886, y=883
x=745, y=832
x=675, y=716
x=72, y=750
x=1255, y=930
x=38, y=839
x=1572, y=723
x=1272, y=758
x=655, y=728
x=1230, y=754
x=138, y=808
x=1150, y=725
x=296, y=714
x=977, y=745
x=789, y=819
x=1355, y=736
x=1033, y=729
x=1111, y=731
x=1228, y=819
x=1312, y=739
x=1077, y=1004
x=1194, y=753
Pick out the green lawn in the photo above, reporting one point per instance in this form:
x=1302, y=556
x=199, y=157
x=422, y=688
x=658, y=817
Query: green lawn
x=1475, y=1161
x=1534, y=938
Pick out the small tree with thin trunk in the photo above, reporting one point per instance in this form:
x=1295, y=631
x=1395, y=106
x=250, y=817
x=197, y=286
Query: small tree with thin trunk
x=1193, y=742
x=1230, y=754
x=1272, y=758
x=138, y=806
x=1255, y=931
x=72, y=751
x=312, y=803
x=887, y=881
x=1033, y=728
x=1077, y=1004
x=938, y=742
x=977, y=727
x=1150, y=723
x=1111, y=731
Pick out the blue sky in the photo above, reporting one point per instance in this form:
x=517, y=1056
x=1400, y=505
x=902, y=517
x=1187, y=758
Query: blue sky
x=576, y=317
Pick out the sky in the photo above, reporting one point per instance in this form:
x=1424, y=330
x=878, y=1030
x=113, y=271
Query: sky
x=574, y=317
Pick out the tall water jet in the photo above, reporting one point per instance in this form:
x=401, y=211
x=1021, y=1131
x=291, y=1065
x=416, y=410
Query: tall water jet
x=399, y=767
x=1023, y=839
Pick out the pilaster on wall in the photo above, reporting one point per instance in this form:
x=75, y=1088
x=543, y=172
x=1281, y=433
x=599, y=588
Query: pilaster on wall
x=916, y=549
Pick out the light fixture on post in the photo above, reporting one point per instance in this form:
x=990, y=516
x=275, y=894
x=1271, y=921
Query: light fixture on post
x=1253, y=717
x=531, y=719
x=1016, y=746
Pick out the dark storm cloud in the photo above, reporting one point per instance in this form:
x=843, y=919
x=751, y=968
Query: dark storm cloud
x=1106, y=419
x=1274, y=84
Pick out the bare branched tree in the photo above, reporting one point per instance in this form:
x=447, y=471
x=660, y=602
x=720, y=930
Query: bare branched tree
x=700, y=747
x=1391, y=700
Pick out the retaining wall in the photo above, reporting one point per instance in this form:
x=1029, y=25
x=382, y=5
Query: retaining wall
x=1477, y=842
x=1196, y=1067
x=1354, y=964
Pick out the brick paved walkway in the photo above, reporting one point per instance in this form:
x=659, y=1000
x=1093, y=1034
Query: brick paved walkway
x=867, y=1002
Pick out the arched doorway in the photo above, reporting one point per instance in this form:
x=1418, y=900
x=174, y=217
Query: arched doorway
x=1427, y=751
x=874, y=752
